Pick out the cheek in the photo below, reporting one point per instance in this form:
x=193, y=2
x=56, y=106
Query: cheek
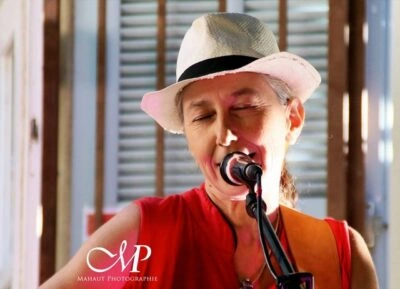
x=272, y=142
x=191, y=144
x=275, y=145
x=266, y=133
x=198, y=147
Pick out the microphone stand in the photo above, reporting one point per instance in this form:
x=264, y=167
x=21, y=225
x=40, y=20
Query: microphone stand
x=256, y=209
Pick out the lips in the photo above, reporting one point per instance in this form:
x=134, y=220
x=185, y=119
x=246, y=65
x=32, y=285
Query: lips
x=251, y=155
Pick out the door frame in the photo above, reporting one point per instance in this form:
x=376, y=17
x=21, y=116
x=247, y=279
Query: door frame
x=21, y=38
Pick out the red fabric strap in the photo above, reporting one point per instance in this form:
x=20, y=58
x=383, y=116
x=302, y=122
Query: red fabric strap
x=341, y=231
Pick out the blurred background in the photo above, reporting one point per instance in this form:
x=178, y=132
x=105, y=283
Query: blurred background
x=75, y=146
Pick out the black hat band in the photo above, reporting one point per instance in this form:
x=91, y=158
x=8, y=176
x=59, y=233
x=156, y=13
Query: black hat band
x=217, y=64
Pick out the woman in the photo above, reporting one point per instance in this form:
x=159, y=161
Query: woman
x=235, y=93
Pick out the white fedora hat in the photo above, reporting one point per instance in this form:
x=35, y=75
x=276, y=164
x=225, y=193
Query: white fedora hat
x=226, y=43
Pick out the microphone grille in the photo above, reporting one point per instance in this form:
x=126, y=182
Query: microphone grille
x=228, y=165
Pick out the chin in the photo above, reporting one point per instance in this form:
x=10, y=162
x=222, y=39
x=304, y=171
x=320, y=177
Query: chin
x=226, y=191
x=238, y=198
x=234, y=193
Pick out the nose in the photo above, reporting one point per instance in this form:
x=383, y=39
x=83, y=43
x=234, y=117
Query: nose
x=224, y=133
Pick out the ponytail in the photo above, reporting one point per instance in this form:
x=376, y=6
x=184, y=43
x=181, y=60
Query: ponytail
x=288, y=190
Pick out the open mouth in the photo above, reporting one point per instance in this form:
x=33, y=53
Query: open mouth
x=251, y=155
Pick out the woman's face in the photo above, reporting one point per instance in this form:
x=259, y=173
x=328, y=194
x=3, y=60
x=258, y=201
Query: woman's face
x=238, y=112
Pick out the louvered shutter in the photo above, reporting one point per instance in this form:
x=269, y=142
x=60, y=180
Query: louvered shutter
x=136, y=145
x=136, y=151
x=307, y=36
x=181, y=171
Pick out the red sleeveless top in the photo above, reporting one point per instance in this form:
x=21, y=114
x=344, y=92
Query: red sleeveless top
x=193, y=245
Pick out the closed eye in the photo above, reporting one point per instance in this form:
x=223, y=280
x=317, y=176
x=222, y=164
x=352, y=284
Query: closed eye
x=245, y=107
x=202, y=117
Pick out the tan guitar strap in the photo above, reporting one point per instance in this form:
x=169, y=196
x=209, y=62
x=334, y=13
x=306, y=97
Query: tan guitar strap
x=313, y=247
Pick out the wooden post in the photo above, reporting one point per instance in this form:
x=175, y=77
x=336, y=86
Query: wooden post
x=337, y=89
x=100, y=112
x=161, y=35
x=65, y=133
x=356, y=205
x=282, y=25
x=222, y=6
x=51, y=51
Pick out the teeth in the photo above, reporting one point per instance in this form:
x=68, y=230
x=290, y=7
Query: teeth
x=251, y=155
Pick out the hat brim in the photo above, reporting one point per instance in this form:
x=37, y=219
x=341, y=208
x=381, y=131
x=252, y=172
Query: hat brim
x=296, y=72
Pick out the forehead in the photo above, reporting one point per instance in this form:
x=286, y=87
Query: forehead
x=230, y=86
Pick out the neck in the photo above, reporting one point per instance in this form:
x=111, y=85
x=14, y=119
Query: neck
x=249, y=258
x=235, y=212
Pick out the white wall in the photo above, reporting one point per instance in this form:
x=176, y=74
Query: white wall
x=84, y=116
x=21, y=44
x=394, y=188
x=378, y=140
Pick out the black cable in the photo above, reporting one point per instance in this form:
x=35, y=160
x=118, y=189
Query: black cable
x=256, y=208
x=262, y=233
x=266, y=231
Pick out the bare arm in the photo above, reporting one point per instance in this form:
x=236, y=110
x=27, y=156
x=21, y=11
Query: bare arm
x=77, y=274
x=363, y=273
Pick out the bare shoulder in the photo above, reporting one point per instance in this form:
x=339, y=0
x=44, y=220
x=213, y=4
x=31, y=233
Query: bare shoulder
x=125, y=223
x=122, y=228
x=363, y=270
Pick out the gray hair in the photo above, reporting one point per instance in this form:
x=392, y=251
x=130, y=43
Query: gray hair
x=281, y=89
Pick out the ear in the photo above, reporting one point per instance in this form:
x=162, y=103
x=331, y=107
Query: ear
x=295, y=116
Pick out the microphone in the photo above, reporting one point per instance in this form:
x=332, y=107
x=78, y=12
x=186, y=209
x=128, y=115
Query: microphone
x=237, y=169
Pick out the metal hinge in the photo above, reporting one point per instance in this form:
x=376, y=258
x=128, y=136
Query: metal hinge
x=375, y=225
x=34, y=129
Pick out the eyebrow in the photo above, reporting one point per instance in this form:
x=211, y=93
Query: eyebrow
x=236, y=94
x=245, y=91
x=198, y=103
